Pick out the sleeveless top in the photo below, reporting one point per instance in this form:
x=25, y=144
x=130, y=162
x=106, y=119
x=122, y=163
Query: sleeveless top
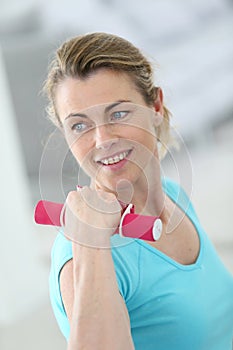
x=170, y=305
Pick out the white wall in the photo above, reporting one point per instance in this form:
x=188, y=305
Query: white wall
x=22, y=277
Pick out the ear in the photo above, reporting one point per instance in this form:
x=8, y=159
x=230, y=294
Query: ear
x=158, y=104
x=158, y=108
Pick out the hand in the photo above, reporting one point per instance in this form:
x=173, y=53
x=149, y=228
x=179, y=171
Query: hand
x=91, y=217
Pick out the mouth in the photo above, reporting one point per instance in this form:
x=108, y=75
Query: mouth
x=117, y=158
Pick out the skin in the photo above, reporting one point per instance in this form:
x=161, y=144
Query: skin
x=88, y=282
x=103, y=141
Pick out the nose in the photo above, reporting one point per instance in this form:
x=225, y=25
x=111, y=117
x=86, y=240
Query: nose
x=104, y=138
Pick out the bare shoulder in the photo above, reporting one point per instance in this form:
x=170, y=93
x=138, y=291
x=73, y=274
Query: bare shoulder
x=67, y=287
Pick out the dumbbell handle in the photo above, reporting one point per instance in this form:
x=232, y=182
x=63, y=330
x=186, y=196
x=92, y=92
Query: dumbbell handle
x=131, y=225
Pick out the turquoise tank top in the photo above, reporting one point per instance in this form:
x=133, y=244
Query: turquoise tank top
x=170, y=305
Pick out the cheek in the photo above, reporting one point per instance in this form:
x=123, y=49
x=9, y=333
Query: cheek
x=76, y=153
x=81, y=151
x=145, y=138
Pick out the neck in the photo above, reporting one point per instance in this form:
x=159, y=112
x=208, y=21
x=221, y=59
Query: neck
x=146, y=194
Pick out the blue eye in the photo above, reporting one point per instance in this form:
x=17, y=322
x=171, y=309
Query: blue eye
x=119, y=115
x=78, y=127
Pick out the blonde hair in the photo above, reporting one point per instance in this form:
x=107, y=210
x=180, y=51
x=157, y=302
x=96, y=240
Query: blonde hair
x=80, y=56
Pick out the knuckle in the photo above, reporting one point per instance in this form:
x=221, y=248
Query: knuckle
x=71, y=197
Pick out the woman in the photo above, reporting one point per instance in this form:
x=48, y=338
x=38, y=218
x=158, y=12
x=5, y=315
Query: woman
x=113, y=292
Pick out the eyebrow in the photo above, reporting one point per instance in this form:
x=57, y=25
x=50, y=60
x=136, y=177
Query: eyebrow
x=107, y=109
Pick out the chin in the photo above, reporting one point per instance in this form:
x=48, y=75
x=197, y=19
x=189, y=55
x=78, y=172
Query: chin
x=120, y=183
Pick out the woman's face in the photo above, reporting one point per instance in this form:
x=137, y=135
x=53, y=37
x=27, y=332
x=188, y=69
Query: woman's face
x=108, y=126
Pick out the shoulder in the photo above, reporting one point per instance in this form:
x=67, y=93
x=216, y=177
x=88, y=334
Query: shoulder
x=175, y=190
x=125, y=254
x=61, y=253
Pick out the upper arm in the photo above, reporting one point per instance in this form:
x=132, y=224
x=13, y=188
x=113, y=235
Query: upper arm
x=67, y=290
x=67, y=287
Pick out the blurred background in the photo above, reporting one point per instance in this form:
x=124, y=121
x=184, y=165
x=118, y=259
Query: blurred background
x=190, y=43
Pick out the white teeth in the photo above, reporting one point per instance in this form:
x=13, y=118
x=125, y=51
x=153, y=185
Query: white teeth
x=116, y=159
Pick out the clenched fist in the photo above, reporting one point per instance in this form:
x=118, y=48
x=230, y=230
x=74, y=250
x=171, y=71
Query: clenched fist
x=91, y=217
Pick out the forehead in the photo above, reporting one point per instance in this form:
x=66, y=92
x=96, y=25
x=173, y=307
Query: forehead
x=102, y=87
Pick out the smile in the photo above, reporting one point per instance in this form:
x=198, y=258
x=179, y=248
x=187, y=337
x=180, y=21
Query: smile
x=116, y=159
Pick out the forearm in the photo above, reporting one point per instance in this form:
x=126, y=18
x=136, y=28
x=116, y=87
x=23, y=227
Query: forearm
x=99, y=319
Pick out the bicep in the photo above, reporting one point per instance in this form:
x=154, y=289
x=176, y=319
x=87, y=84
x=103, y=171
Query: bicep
x=67, y=287
x=67, y=290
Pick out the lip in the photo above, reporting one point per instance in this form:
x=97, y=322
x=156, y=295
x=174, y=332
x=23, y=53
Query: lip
x=119, y=165
x=113, y=155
